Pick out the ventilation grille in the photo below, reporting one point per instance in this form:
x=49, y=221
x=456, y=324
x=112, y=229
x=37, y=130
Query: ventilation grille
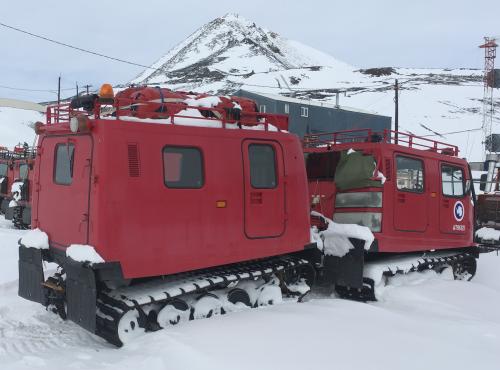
x=388, y=170
x=134, y=165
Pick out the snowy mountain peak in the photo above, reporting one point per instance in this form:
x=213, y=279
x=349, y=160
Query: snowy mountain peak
x=231, y=46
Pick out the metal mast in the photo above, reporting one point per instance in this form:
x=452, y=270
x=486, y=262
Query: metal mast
x=490, y=51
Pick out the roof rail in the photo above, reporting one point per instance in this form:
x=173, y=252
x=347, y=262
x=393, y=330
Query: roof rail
x=173, y=112
x=331, y=139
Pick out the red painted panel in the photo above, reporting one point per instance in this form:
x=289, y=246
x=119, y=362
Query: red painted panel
x=152, y=229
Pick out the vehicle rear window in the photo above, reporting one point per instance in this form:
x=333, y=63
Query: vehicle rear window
x=410, y=172
x=23, y=171
x=262, y=166
x=3, y=169
x=63, y=164
x=183, y=167
x=452, y=179
x=321, y=166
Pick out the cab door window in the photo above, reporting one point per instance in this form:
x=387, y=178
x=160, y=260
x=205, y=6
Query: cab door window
x=63, y=164
x=262, y=158
x=452, y=179
x=410, y=174
x=3, y=169
x=23, y=171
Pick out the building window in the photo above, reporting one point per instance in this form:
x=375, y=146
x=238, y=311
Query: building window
x=287, y=108
x=452, y=179
x=262, y=160
x=182, y=167
x=262, y=109
x=63, y=164
x=304, y=112
x=410, y=174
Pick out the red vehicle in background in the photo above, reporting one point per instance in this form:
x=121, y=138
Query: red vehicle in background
x=6, y=178
x=19, y=210
x=159, y=211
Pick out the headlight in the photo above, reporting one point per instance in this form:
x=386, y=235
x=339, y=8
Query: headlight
x=372, y=220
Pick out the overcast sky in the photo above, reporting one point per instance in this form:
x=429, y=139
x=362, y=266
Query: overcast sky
x=365, y=33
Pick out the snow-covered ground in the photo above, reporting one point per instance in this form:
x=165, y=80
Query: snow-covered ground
x=422, y=321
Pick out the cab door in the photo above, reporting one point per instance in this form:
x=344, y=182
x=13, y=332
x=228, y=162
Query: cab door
x=410, y=205
x=454, y=206
x=62, y=189
x=264, y=189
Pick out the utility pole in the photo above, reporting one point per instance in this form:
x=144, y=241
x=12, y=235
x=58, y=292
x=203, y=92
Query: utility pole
x=59, y=90
x=396, y=110
x=77, y=89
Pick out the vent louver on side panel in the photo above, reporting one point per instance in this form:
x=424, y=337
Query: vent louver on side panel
x=134, y=165
x=388, y=170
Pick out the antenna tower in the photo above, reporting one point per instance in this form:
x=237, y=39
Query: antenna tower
x=490, y=52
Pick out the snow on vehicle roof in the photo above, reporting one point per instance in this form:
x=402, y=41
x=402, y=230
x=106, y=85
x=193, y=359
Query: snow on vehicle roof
x=193, y=117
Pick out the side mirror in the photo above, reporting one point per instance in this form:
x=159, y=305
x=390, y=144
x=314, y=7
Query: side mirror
x=482, y=184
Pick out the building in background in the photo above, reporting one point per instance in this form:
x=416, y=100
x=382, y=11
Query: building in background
x=310, y=117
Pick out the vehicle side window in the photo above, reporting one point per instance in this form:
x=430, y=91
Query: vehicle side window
x=262, y=160
x=183, y=167
x=3, y=169
x=452, y=179
x=63, y=164
x=410, y=174
x=23, y=171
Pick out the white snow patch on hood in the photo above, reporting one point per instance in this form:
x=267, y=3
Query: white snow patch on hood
x=35, y=239
x=334, y=241
x=83, y=253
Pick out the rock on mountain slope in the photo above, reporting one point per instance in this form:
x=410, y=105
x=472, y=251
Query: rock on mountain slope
x=230, y=53
x=233, y=48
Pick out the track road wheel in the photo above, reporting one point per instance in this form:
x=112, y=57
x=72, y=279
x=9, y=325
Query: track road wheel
x=173, y=313
x=128, y=327
x=239, y=296
x=465, y=269
x=270, y=294
x=206, y=306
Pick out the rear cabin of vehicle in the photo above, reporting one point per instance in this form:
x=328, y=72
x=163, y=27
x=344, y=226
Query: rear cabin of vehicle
x=159, y=198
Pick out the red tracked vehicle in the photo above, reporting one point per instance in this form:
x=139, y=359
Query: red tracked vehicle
x=17, y=166
x=186, y=211
x=6, y=178
x=19, y=211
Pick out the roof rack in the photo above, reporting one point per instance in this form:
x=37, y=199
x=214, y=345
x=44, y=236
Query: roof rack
x=122, y=108
x=386, y=136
